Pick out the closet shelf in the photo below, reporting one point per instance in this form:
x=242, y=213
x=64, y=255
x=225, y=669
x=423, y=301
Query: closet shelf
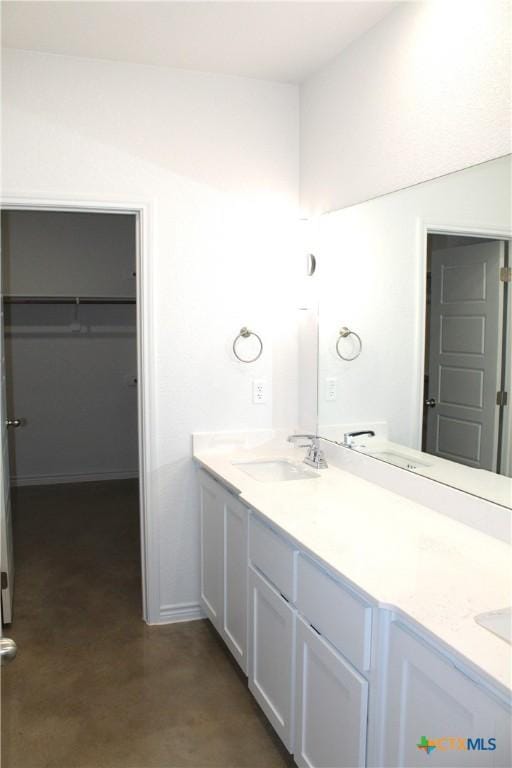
x=69, y=299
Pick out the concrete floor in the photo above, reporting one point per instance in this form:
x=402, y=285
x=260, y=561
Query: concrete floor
x=93, y=686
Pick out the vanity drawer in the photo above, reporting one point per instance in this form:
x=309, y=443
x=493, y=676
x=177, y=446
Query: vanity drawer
x=273, y=556
x=336, y=612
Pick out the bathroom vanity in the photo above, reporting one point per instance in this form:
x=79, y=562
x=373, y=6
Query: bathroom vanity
x=351, y=609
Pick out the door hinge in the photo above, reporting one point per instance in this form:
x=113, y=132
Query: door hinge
x=5, y=580
x=506, y=274
x=501, y=398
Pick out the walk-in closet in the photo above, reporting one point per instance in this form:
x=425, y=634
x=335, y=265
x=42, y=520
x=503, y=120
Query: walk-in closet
x=69, y=289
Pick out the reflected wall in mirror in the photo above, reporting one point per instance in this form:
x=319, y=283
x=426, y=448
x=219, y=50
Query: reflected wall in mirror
x=422, y=277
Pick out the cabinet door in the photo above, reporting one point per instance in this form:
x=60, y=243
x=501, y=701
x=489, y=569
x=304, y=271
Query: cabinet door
x=331, y=709
x=427, y=696
x=212, y=549
x=271, y=654
x=235, y=579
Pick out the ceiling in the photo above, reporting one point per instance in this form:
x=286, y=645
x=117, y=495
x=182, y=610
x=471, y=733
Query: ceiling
x=283, y=41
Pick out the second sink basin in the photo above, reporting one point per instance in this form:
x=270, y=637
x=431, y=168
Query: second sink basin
x=497, y=622
x=275, y=470
x=398, y=459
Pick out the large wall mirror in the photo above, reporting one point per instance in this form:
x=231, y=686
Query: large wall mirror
x=415, y=328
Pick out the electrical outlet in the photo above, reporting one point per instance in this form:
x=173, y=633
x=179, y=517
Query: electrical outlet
x=259, y=391
x=331, y=388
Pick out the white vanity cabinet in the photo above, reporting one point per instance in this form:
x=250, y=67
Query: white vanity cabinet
x=224, y=564
x=272, y=585
x=272, y=655
x=234, y=626
x=426, y=695
x=341, y=616
x=333, y=655
x=344, y=683
x=318, y=704
x=331, y=705
x=212, y=548
x=273, y=556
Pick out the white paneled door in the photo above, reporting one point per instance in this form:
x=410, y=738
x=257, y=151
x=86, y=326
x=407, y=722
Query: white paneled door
x=465, y=353
x=6, y=550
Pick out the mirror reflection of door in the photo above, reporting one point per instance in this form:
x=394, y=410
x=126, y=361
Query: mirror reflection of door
x=466, y=351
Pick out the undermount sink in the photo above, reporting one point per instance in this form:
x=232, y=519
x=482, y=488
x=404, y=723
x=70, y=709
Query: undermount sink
x=497, y=622
x=275, y=470
x=398, y=459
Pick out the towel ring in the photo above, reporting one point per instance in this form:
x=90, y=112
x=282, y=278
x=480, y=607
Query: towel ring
x=244, y=334
x=344, y=333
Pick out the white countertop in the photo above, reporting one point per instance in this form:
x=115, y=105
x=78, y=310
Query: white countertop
x=435, y=570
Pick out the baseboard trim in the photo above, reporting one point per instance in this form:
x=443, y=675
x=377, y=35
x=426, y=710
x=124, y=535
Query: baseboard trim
x=82, y=478
x=171, y=614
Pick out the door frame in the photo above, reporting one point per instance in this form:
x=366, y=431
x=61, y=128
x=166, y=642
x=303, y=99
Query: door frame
x=423, y=229
x=142, y=213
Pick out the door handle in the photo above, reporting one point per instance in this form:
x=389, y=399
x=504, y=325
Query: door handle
x=8, y=650
x=431, y=402
x=14, y=423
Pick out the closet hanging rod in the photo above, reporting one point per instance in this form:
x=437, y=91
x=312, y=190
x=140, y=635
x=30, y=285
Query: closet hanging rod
x=69, y=300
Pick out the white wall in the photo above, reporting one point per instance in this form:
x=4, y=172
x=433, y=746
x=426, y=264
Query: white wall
x=371, y=277
x=424, y=92
x=71, y=370
x=216, y=160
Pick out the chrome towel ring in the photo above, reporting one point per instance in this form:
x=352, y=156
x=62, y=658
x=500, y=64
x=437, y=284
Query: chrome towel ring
x=244, y=334
x=345, y=333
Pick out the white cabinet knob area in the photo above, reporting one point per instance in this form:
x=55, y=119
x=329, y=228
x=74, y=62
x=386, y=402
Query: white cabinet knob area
x=344, y=683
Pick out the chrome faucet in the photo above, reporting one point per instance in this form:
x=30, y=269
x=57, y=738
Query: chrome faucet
x=315, y=455
x=348, y=437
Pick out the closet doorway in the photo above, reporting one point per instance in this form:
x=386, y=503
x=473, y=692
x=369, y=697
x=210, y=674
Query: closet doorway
x=72, y=403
